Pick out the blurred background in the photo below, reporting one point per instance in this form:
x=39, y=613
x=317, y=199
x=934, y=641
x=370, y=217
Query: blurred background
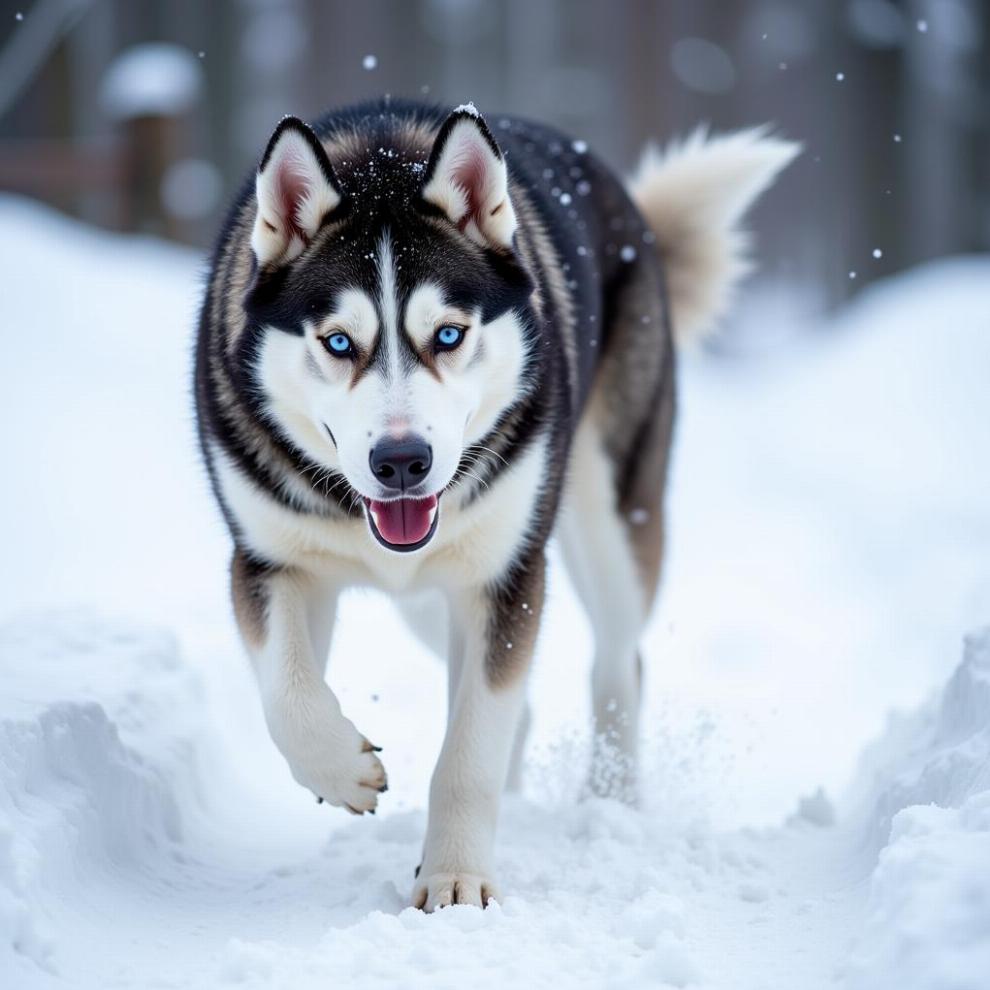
x=145, y=116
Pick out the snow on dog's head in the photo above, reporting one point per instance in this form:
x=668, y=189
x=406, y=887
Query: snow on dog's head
x=389, y=314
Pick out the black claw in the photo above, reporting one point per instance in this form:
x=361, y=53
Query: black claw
x=376, y=749
x=371, y=811
x=383, y=789
x=416, y=871
x=319, y=800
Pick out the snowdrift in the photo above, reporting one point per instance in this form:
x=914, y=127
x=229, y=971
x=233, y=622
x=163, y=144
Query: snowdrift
x=924, y=791
x=94, y=766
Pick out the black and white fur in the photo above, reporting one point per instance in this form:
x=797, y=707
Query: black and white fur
x=379, y=226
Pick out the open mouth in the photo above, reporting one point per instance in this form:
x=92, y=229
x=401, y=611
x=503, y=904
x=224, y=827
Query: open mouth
x=403, y=524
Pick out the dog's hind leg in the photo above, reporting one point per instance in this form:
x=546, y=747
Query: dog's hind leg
x=612, y=528
x=603, y=569
x=425, y=613
x=513, y=782
x=427, y=617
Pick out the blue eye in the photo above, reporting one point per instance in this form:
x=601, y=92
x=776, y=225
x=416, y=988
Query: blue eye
x=339, y=344
x=449, y=337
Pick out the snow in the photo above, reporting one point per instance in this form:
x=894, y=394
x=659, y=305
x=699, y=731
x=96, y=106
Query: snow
x=828, y=549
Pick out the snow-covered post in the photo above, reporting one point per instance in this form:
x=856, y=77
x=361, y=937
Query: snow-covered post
x=149, y=91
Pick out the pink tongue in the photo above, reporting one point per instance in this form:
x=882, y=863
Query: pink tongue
x=406, y=520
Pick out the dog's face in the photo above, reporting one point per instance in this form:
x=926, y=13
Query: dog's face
x=390, y=315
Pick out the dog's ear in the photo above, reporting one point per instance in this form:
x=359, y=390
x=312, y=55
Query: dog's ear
x=295, y=189
x=467, y=180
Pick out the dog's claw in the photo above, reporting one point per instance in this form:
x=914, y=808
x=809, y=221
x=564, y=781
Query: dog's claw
x=319, y=800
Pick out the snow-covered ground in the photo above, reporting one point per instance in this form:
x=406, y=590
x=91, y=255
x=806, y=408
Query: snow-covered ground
x=831, y=546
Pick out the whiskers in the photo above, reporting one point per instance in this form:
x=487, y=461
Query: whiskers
x=354, y=498
x=485, y=459
x=484, y=451
x=474, y=477
x=328, y=482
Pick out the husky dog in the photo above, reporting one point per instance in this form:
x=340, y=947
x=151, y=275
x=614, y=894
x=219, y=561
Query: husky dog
x=428, y=343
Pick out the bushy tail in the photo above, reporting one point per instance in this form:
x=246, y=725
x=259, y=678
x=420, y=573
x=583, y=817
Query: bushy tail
x=693, y=194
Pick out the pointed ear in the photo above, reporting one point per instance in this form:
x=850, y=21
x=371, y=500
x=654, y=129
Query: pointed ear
x=467, y=179
x=295, y=188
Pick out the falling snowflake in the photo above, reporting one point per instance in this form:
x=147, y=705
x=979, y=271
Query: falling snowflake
x=839, y=76
x=877, y=253
x=922, y=26
x=370, y=62
x=580, y=146
x=628, y=253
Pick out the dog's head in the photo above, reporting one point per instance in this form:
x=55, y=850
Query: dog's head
x=390, y=313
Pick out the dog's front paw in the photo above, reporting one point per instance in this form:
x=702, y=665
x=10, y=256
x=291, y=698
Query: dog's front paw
x=440, y=890
x=352, y=781
x=327, y=754
x=345, y=772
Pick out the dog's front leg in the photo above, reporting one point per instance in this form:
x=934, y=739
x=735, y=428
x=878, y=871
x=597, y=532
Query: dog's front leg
x=496, y=629
x=324, y=750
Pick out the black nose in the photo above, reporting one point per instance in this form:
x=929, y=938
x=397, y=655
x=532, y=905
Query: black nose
x=401, y=464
